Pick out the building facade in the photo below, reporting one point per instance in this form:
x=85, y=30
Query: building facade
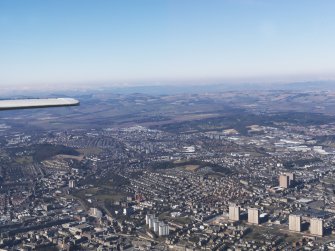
x=294, y=223
x=253, y=216
x=316, y=227
x=234, y=213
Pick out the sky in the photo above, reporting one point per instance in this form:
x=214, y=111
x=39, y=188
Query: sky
x=123, y=42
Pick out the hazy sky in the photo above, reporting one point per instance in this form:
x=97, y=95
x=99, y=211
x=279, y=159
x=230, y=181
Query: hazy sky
x=151, y=41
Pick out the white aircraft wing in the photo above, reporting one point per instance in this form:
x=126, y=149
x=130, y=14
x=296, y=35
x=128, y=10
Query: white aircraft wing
x=36, y=103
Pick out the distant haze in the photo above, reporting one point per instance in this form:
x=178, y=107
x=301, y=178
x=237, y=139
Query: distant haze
x=165, y=89
x=91, y=44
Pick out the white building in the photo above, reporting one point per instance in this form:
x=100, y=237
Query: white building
x=159, y=227
x=316, y=227
x=72, y=183
x=234, y=213
x=95, y=212
x=156, y=226
x=152, y=222
x=253, y=216
x=294, y=222
x=163, y=229
x=148, y=217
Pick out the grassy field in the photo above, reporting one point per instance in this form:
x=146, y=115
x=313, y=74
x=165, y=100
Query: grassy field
x=109, y=197
x=191, y=168
x=190, y=165
x=103, y=192
x=89, y=151
x=66, y=156
x=25, y=160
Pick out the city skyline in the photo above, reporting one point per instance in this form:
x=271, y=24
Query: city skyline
x=44, y=43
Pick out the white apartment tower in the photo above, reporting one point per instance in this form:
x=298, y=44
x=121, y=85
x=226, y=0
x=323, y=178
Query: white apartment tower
x=163, y=229
x=253, y=216
x=294, y=222
x=316, y=227
x=234, y=213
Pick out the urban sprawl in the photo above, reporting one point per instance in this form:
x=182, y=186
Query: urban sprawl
x=138, y=188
